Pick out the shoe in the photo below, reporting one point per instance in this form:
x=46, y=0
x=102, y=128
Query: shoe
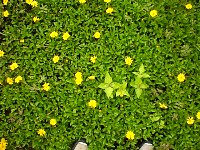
x=147, y=146
x=80, y=145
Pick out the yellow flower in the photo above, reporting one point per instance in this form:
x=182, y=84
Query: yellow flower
x=34, y=3
x=82, y=1
x=1, y=53
x=91, y=77
x=9, y=80
x=54, y=34
x=13, y=66
x=66, y=35
x=198, y=115
x=92, y=103
x=5, y=2
x=41, y=132
x=107, y=1
x=21, y=41
x=78, y=75
x=53, y=122
x=3, y=144
x=153, y=13
x=181, y=77
x=128, y=61
x=130, y=135
x=5, y=13
x=97, y=35
x=78, y=80
x=109, y=10
x=29, y=1
x=35, y=19
x=163, y=106
x=188, y=6
x=93, y=59
x=46, y=86
x=56, y=59
x=18, y=79
x=190, y=120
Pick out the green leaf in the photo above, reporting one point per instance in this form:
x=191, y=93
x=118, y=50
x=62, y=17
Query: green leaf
x=108, y=78
x=109, y=91
x=138, y=92
x=103, y=86
x=141, y=69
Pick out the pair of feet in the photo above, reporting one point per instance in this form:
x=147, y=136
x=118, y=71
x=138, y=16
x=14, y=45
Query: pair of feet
x=82, y=145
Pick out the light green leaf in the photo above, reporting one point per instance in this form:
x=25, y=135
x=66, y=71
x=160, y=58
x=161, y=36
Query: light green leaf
x=109, y=91
x=141, y=69
x=136, y=73
x=126, y=93
x=145, y=75
x=138, y=92
x=118, y=92
x=124, y=85
x=108, y=78
x=155, y=118
x=133, y=84
x=103, y=85
x=144, y=86
x=138, y=81
x=115, y=85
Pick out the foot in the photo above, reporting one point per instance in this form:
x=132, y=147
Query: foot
x=146, y=146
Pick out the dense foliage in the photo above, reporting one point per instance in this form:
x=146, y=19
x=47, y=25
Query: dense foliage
x=165, y=42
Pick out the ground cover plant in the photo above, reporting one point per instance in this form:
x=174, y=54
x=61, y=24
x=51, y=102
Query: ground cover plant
x=112, y=72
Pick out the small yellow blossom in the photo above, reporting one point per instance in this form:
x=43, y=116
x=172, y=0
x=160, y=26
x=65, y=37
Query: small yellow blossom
x=21, y=41
x=1, y=53
x=46, y=86
x=41, y=132
x=198, y=115
x=5, y=2
x=93, y=59
x=97, y=35
x=78, y=81
x=3, y=144
x=92, y=103
x=163, y=106
x=18, y=79
x=13, y=66
x=78, y=75
x=29, y=1
x=91, y=77
x=35, y=19
x=9, y=80
x=109, y=10
x=181, y=77
x=56, y=59
x=53, y=122
x=34, y=3
x=82, y=1
x=190, y=120
x=153, y=13
x=107, y=1
x=188, y=6
x=130, y=135
x=128, y=60
x=5, y=13
x=66, y=35
x=54, y=34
